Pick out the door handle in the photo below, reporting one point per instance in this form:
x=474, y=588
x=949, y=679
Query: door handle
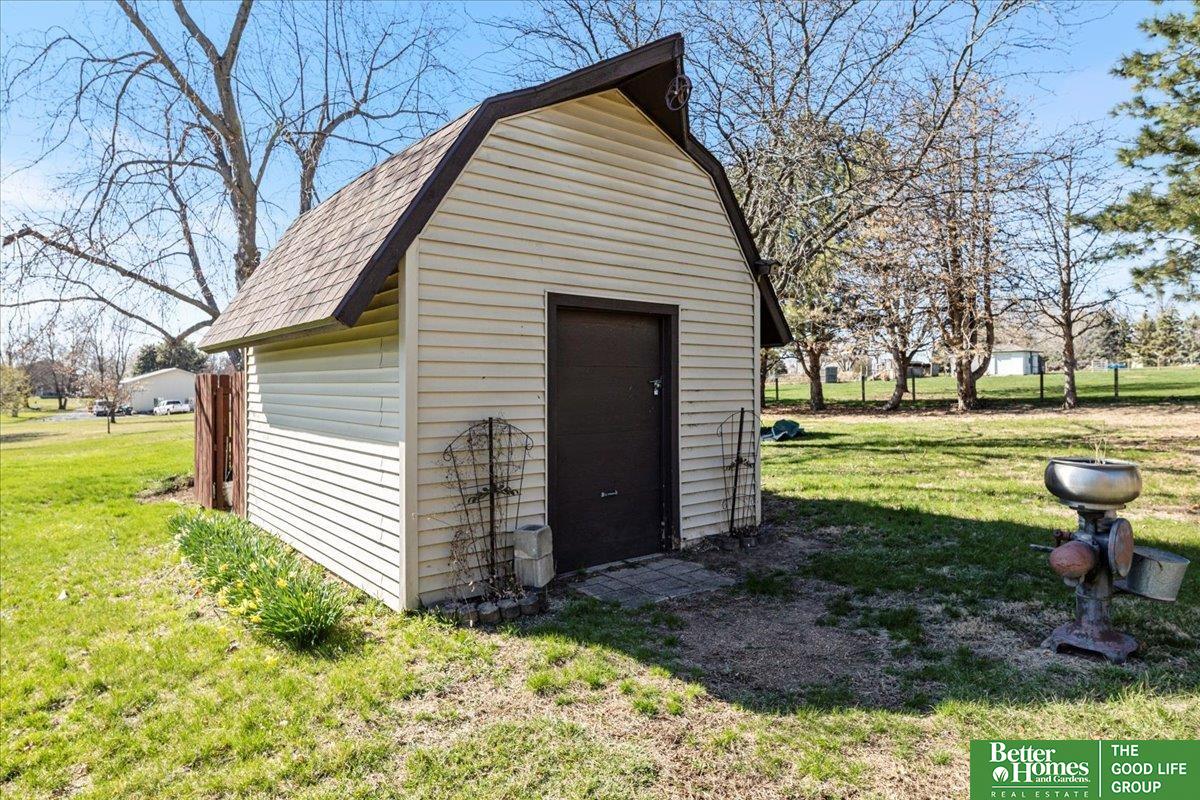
x=657, y=384
x=613, y=493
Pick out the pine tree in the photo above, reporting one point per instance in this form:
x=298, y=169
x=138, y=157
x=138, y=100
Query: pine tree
x=1164, y=212
x=183, y=355
x=1114, y=335
x=146, y=361
x=1143, y=346
x=1126, y=338
x=1193, y=339
x=1169, y=338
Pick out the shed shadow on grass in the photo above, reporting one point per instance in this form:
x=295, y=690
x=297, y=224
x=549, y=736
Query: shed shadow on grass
x=863, y=606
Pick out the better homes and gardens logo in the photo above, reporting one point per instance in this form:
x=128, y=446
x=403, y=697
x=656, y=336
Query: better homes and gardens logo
x=1042, y=766
x=1084, y=770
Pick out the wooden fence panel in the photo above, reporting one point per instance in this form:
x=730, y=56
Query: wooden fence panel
x=205, y=441
x=221, y=439
x=237, y=428
x=220, y=442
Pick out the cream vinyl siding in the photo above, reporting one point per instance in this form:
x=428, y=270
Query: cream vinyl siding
x=586, y=197
x=324, y=446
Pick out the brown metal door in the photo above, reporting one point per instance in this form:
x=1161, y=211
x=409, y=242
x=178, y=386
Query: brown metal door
x=608, y=398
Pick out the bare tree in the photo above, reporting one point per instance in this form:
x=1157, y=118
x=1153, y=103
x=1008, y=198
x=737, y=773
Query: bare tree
x=355, y=63
x=51, y=350
x=795, y=97
x=1066, y=259
x=966, y=199
x=62, y=352
x=564, y=35
x=893, y=312
x=175, y=133
x=109, y=344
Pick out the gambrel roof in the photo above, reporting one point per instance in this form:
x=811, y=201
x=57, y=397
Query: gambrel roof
x=332, y=260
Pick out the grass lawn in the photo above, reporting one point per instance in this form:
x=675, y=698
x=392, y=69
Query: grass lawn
x=41, y=408
x=899, y=618
x=1153, y=385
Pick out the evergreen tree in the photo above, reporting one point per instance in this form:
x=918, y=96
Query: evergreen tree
x=1126, y=337
x=1113, y=337
x=183, y=355
x=146, y=361
x=1169, y=338
x=1143, y=345
x=1193, y=339
x=1164, y=212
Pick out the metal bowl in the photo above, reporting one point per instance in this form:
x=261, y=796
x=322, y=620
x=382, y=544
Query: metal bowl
x=1087, y=483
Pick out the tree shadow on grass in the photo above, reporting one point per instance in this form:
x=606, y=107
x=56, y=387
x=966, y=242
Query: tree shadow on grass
x=975, y=448
x=884, y=608
x=21, y=436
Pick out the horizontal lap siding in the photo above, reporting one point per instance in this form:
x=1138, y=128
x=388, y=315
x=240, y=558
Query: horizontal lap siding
x=323, y=446
x=582, y=198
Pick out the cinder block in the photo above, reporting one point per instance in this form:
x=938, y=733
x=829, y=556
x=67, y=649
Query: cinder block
x=535, y=572
x=532, y=541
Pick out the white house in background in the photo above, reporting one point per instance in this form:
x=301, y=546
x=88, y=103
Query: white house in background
x=172, y=383
x=566, y=257
x=1015, y=362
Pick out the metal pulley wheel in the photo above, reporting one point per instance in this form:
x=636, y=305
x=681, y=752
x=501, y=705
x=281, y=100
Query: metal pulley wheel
x=1120, y=547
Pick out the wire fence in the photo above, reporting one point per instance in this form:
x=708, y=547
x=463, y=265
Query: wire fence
x=1119, y=385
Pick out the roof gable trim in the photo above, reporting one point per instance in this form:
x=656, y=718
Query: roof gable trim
x=599, y=77
x=641, y=75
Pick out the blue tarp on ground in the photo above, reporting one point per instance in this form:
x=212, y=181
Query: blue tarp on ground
x=782, y=430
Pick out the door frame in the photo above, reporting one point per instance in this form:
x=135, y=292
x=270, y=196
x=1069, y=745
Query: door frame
x=668, y=317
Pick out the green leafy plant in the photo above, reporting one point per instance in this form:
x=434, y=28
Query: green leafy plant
x=258, y=578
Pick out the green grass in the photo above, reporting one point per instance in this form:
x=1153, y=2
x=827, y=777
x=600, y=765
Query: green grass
x=123, y=677
x=531, y=759
x=1152, y=385
x=40, y=408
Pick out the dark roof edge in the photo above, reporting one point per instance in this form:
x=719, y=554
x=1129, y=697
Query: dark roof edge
x=598, y=77
x=323, y=325
x=774, y=328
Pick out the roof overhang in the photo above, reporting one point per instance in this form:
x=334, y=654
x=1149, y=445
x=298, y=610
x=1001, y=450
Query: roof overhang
x=643, y=75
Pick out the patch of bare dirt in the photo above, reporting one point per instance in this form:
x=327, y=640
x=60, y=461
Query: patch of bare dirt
x=172, y=489
x=748, y=646
x=790, y=546
x=790, y=650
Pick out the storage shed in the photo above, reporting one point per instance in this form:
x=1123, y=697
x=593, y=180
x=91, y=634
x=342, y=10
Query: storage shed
x=1015, y=361
x=567, y=257
x=149, y=388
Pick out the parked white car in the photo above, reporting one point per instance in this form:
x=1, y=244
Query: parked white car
x=173, y=407
x=100, y=409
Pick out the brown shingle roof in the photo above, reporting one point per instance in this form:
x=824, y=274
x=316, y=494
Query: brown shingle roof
x=316, y=263
x=332, y=260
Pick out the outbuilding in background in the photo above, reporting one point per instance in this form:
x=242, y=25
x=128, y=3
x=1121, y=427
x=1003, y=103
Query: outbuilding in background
x=1015, y=362
x=148, y=389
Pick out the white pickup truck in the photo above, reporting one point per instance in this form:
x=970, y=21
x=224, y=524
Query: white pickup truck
x=173, y=407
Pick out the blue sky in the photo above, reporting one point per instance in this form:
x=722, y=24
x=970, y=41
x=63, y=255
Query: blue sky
x=1075, y=80
x=1070, y=84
